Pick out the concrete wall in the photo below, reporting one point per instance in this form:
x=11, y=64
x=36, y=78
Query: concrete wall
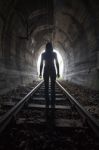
x=77, y=26
x=16, y=59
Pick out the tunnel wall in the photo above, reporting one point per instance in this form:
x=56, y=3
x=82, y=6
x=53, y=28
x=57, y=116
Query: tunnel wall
x=78, y=28
x=83, y=67
x=17, y=66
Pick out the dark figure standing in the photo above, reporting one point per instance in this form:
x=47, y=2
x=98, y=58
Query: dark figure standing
x=49, y=57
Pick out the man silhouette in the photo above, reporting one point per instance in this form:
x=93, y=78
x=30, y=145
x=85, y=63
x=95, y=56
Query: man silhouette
x=48, y=59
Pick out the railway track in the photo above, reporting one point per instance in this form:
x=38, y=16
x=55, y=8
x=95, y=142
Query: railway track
x=13, y=97
x=28, y=124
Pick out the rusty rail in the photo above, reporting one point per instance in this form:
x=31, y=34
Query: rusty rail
x=85, y=114
x=6, y=118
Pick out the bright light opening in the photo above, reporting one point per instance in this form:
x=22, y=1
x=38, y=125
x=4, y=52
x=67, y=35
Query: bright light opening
x=60, y=60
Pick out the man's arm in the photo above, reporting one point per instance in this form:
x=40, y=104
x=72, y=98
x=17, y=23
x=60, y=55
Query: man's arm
x=41, y=65
x=57, y=66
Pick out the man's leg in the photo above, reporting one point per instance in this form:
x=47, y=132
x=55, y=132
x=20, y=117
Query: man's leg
x=53, y=93
x=46, y=81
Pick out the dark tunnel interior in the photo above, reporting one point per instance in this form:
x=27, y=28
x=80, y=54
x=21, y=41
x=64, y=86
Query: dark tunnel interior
x=27, y=25
x=57, y=114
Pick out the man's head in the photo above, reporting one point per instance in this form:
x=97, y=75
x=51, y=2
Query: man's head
x=49, y=47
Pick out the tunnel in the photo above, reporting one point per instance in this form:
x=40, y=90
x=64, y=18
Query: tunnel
x=26, y=26
x=26, y=122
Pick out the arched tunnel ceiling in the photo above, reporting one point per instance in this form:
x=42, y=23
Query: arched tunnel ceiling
x=72, y=26
x=60, y=21
x=38, y=16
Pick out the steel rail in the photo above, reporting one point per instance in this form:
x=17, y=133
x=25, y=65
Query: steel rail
x=84, y=113
x=8, y=116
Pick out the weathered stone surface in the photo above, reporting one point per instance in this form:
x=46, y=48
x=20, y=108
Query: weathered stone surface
x=26, y=26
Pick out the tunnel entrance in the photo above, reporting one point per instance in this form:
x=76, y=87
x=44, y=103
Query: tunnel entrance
x=60, y=60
